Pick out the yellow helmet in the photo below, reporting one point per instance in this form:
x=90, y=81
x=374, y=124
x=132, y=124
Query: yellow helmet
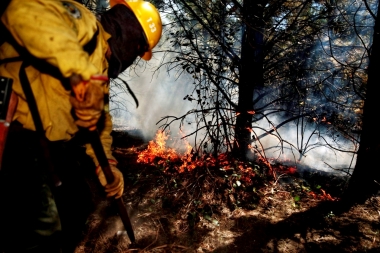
x=150, y=20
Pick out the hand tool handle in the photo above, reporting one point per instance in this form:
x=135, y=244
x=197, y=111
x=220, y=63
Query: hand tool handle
x=104, y=164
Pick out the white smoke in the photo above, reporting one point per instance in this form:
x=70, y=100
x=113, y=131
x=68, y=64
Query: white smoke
x=310, y=151
x=159, y=95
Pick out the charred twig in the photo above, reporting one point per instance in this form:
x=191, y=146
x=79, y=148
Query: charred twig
x=155, y=240
x=170, y=246
x=341, y=170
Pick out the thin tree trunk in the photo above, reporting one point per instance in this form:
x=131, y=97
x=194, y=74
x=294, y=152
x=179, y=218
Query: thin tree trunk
x=366, y=176
x=251, y=72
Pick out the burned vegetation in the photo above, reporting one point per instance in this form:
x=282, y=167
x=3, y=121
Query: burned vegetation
x=188, y=203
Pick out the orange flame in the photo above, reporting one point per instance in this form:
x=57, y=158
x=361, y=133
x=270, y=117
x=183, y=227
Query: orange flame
x=157, y=148
x=158, y=153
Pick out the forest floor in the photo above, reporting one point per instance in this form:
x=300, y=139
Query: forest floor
x=237, y=209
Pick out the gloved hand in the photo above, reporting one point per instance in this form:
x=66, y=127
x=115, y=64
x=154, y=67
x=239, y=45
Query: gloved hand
x=116, y=188
x=88, y=102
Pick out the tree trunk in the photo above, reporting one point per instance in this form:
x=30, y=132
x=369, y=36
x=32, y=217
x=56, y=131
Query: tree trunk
x=366, y=176
x=251, y=73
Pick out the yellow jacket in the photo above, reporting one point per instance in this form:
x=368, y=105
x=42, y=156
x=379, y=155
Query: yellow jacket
x=54, y=31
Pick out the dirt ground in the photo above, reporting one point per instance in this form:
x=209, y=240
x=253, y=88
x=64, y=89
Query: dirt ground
x=207, y=210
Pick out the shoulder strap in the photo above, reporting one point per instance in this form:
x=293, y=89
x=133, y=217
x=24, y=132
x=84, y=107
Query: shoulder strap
x=30, y=98
x=13, y=59
x=54, y=179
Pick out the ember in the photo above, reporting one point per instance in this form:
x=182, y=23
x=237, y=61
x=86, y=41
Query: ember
x=284, y=169
x=322, y=196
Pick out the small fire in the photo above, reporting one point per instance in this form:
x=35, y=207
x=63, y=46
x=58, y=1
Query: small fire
x=157, y=148
x=158, y=152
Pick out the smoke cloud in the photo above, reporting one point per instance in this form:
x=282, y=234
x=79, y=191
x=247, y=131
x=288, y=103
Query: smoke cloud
x=310, y=151
x=159, y=95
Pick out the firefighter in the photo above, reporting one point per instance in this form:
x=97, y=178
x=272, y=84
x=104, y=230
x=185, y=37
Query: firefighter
x=68, y=55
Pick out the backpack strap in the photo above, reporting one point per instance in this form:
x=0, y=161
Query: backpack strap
x=44, y=142
x=30, y=97
x=8, y=60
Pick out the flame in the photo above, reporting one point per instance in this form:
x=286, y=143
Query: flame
x=157, y=149
x=158, y=153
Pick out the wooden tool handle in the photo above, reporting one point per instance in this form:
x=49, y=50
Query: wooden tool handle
x=105, y=166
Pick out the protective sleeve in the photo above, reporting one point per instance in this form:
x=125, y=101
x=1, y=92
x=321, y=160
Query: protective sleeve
x=47, y=31
x=105, y=138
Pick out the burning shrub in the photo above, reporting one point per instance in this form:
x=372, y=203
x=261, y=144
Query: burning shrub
x=213, y=179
